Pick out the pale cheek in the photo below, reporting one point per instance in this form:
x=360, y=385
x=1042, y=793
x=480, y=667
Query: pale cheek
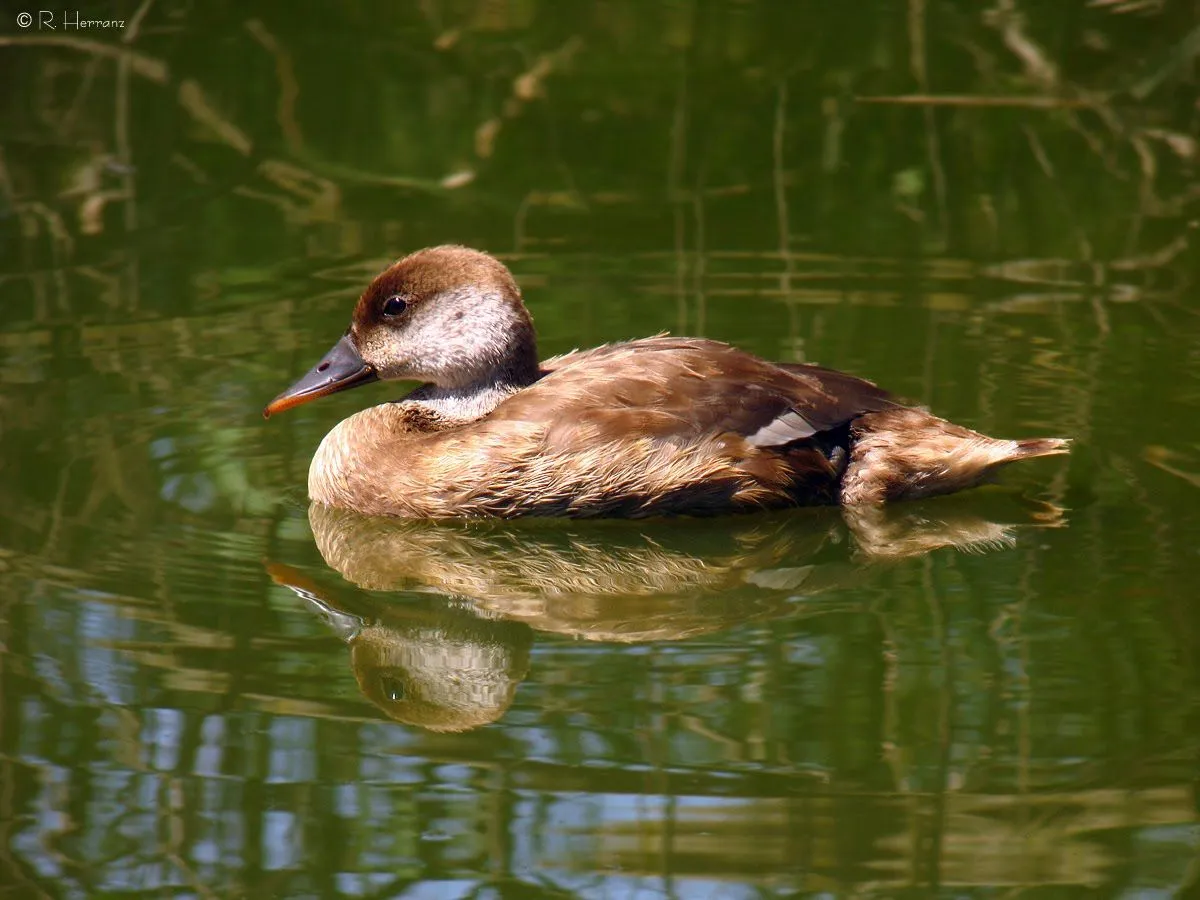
x=435, y=354
x=453, y=347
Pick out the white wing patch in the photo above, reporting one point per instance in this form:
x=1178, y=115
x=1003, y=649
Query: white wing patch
x=791, y=426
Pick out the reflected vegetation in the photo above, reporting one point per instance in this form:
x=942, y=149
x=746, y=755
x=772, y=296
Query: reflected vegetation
x=989, y=208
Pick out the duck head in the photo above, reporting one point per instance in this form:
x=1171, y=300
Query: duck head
x=449, y=316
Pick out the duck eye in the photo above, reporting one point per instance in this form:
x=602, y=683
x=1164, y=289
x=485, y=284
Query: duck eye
x=394, y=306
x=391, y=687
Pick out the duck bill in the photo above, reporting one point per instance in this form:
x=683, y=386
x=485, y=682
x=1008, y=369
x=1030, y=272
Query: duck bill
x=340, y=369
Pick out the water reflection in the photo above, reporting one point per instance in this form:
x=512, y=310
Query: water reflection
x=455, y=666
x=443, y=668
x=989, y=208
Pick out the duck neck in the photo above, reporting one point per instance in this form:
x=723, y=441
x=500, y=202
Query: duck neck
x=461, y=403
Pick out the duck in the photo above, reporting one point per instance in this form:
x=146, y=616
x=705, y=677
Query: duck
x=658, y=426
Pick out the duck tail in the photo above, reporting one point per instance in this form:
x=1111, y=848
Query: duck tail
x=1034, y=447
x=907, y=453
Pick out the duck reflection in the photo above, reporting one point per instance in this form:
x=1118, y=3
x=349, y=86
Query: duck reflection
x=443, y=668
x=453, y=666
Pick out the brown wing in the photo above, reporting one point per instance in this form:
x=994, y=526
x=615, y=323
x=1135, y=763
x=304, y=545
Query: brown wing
x=681, y=389
x=835, y=397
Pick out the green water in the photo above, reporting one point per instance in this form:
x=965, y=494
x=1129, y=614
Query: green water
x=205, y=693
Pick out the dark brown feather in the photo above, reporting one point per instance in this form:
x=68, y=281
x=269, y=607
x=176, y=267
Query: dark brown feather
x=685, y=388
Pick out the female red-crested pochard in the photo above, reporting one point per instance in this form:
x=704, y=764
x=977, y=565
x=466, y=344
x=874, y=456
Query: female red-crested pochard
x=658, y=426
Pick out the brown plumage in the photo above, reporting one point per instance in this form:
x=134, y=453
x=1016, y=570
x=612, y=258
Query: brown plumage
x=657, y=426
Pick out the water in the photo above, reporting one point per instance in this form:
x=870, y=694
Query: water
x=207, y=690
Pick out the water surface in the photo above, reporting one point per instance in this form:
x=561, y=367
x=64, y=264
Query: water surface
x=207, y=689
